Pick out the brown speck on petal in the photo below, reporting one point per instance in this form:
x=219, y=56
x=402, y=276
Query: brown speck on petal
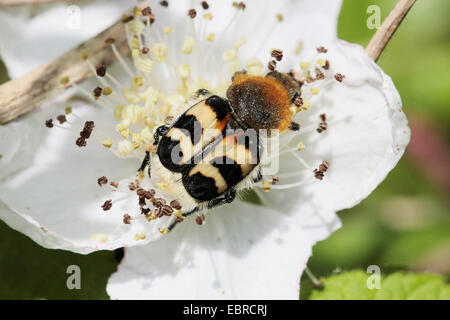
x=323, y=125
x=131, y=186
x=319, y=74
x=277, y=54
x=272, y=64
x=200, y=219
x=167, y=210
x=164, y=3
x=205, y=5
x=339, y=77
x=322, y=49
x=146, y=11
x=175, y=204
x=126, y=218
x=101, y=71
x=239, y=5
x=81, y=142
x=145, y=50
x=97, y=92
x=318, y=174
x=275, y=180
x=102, y=180
x=49, y=123
x=298, y=101
x=324, y=166
x=61, y=118
x=107, y=205
x=145, y=211
x=114, y=184
x=159, y=202
x=327, y=65
x=192, y=13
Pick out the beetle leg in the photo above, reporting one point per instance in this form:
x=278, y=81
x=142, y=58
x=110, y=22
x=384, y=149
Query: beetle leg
x=160, y=131
x=185, y=214
x=145, y=162
x=228, y=197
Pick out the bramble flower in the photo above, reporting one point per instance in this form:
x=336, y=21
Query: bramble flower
x=68, y=170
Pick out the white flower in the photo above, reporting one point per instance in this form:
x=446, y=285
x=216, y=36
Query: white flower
x=49, y=188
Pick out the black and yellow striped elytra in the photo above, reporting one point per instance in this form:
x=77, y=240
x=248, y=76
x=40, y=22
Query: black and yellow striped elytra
x=211, y=155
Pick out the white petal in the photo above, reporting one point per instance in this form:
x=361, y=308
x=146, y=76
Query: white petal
x=241, y=252
x=49, y=187
x=33, y=35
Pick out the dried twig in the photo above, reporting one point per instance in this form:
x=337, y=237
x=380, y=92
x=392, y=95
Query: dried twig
x=21, y=95
x=388, y=28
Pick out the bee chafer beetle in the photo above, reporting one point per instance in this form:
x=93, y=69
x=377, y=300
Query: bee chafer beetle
x=214, y=148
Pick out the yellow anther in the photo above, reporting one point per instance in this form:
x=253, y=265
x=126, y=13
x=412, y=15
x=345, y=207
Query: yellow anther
x=266, y=185
x=304, y=65
x=84, y=54
x=107, y=91
x=137, y=12
x=135, y=43
x=139, y=236
x=125, y=133
x=279, y=17
x=254, y=67
x=64, y=80
x=125, y=147
x=293, y=110
x=163, y=230
x=159, y=52
x=136, y=139
x=118, y=112
x=68, y=109
x=210, y=36
x=321, y=62
x=135, y=53
x=238, y=43
x=188, y=45
x=167, y=30
x=144, y=64
x=107, y=143
x=151, y=216
x=161, y=186
x=229, y=55
x=136, y=27
x=184, y=70
x=298, y=48
x=178, y=214
x=300, y=146
x=137, y=82
x=146, y=135
x=129, y=95
x=99, y=237
x=208, y=16
x=315, y=90
x=305, y=105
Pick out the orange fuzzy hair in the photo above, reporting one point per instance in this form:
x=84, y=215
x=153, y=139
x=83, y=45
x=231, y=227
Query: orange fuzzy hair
x=262, y=102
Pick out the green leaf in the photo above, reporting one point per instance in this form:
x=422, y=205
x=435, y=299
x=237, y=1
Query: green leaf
x=352, y=285
x=29, y=271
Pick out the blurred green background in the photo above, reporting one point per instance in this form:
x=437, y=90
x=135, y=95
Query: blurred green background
x=404, y=225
